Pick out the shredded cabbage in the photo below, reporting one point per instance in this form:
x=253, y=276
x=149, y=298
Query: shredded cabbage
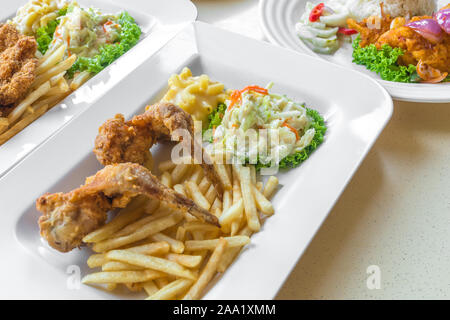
x=128, y=37
x=294, y=160
x=313, y=134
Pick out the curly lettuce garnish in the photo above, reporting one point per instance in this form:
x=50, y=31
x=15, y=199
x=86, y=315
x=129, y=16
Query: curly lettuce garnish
x=384, y=62
x=129, y=36
x=294, y=160
x=215, y=117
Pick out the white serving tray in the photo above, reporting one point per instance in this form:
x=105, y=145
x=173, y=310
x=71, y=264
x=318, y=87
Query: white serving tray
x=159, y=21
x=278, y=19
x=354, y=120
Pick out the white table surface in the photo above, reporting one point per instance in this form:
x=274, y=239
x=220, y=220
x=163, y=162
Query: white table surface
x=394, y=214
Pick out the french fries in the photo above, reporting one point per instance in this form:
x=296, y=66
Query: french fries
x=185, y=260
x=179, y=171
x=141, y=233
x=96, y=260
x=122, y=276
x=196, y=195
x=150, y=262
x=79, y=80
x=236, y=241
x=167, y=254
x=270, y=187
x=51, y=60
x=171, y=290
x=231, y=253
x=150, y=287
x=58, y=68
x=49, y=87
x=166, y=179
x=126, y=216
x=4, y=123
x=233, y=213
x=22, y=124
x=249, y=201
x=119, y=266
x=32, y=97
x=175, y=245
x=223, y=175
x=262, y=203
x=209, y=271
x=166, y=166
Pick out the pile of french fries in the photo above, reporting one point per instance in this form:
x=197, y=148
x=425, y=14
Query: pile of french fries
x=48, y=89
x=150, y=247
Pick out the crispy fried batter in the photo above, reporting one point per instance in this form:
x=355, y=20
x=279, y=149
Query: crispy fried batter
x=371, y=28
x=416, y=47
x=17, y=64
x=121, y=141
x=67, y=218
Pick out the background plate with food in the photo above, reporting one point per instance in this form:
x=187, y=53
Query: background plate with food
x=354, y=119
x=63, y=45
x=330, y=37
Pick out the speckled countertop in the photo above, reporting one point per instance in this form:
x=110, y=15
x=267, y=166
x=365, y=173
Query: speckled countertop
x=394, y=214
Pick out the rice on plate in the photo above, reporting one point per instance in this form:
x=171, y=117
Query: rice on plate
x=361, y=9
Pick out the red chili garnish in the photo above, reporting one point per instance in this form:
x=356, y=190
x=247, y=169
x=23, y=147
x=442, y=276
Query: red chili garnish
x=316, y=12
x=347, y=32
x=236, y=95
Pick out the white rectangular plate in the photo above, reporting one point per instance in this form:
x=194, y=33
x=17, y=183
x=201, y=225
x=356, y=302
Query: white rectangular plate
x=354, y=118
x=159, y=23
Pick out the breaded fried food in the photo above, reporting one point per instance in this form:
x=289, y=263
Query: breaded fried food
x=17, y=64
x=371, y=28
x=121, y=141
x=67, y=218
x=416, y=48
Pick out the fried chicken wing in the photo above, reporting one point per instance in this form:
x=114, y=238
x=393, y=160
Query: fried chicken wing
x=67, y=218
x=17, y=64
x=121, y=141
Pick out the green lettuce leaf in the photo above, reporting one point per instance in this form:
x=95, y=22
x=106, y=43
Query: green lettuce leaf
x=214, y=120
x=384, y=62
x=44, y=35
x=294, y=160
x=128, y=37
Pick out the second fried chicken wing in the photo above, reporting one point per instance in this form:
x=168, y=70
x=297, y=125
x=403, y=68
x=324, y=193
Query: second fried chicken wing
x=67, y=218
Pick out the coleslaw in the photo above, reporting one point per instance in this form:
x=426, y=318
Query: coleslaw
x=254, y=110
